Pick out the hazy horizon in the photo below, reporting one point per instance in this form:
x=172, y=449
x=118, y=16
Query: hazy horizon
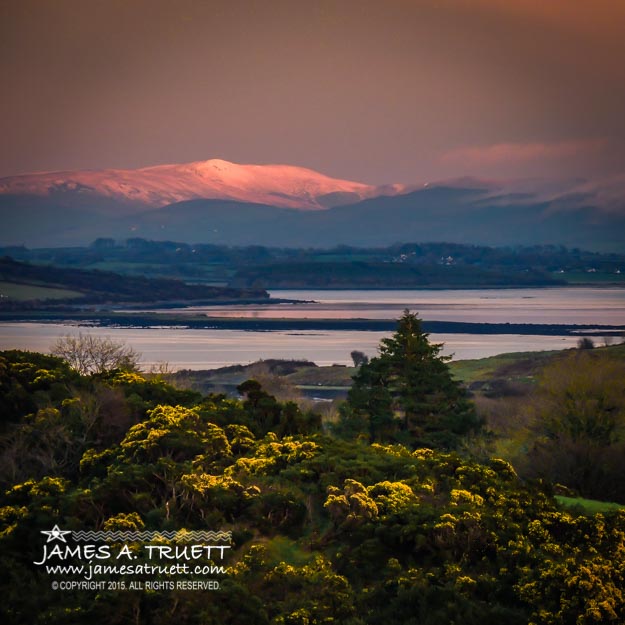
x=399, y=91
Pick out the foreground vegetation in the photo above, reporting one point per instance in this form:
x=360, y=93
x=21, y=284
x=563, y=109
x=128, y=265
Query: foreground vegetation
x=327, y=525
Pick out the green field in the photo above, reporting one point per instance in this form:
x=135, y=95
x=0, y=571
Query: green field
x=589, y=506
x=24, y=292
x=517, y=364
x=331, y=377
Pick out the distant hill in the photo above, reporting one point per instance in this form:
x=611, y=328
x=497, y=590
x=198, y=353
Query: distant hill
x=227, y=204
x=406, y=265
x=359, y=274
x=279, y=185
x=502, y=376
x=91, y=286
x=434, y=214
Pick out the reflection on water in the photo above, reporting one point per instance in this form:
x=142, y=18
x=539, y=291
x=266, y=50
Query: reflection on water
x=209, y=349
x=562, y=305
x=203, y=349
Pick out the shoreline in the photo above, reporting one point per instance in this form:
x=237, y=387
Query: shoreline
x=147, y=320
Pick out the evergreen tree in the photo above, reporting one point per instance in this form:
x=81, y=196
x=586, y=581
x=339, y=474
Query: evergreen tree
x=407, y=393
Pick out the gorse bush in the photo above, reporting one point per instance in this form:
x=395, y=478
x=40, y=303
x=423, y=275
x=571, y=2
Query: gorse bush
x=325, y=529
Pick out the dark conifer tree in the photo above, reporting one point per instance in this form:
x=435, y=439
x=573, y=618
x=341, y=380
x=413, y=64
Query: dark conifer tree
x=408, y=394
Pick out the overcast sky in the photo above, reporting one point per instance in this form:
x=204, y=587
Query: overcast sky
x=376, y=91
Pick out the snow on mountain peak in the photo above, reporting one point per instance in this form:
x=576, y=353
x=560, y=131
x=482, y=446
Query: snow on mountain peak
x=285, y=186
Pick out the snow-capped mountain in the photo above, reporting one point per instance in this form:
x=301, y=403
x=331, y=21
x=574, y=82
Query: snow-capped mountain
x=281, y=205
x=284, y=186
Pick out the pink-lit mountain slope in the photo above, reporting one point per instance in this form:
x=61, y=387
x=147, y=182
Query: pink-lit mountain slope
x=283, y=186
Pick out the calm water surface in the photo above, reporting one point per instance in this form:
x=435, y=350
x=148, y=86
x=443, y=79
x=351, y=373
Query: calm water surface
x=204, y=349
x=571, y=305
x=209, y=349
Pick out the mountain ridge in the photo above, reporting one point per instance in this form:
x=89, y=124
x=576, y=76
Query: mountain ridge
x=284, y=186
x=219, y=202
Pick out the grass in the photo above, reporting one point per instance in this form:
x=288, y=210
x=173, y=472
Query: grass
x=24, y=292
x=323, y=376
x=521, y=366
x=516, y=364
x=588, y=506
x=614, y=352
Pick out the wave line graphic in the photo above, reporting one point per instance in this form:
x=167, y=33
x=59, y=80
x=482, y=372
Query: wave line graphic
x=146, y=536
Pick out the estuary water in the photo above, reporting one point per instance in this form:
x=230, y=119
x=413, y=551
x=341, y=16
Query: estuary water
x=602, y=306
x=184, y=348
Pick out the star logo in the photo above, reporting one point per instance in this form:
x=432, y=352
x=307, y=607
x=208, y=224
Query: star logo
x=56, y=533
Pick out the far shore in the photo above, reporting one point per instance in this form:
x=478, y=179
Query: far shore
x=150, y=320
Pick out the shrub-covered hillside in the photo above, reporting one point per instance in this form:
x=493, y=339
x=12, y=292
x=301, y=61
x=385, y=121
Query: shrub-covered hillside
x=324, y=529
